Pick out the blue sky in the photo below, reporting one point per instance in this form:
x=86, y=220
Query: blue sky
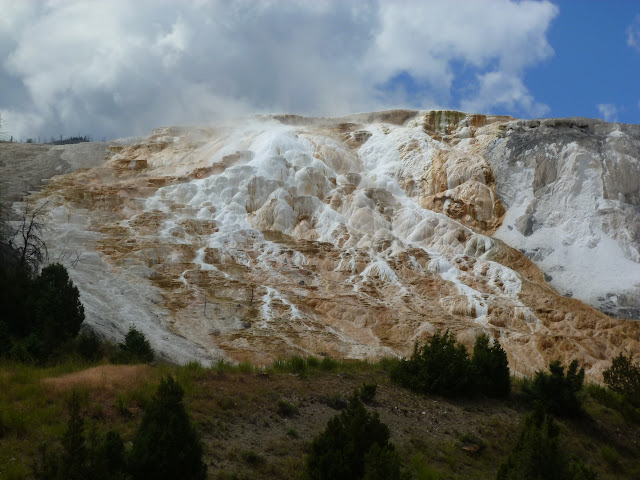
x=110, y=68
x=593, y=62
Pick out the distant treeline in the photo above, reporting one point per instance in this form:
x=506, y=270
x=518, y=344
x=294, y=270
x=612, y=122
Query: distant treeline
x=59, y=141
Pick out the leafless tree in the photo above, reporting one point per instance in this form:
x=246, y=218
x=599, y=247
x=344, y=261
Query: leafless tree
x=27, y=240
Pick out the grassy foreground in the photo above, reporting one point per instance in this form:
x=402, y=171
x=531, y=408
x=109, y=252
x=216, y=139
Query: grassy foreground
x=258, y=423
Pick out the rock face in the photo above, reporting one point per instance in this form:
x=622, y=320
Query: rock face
x=357, y=236
x=572, y=192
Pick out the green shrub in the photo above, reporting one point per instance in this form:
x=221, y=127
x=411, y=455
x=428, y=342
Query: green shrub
x=624, y=377
x=490, y=368
x=440, y=366
x=286, y=409
x=367, y=392
x=556, y=392
x=166, y=445
x=336, y=401
x=354, y=445
x=252, y=458
x=313, y=362
x=537, y=453
x=328, y=364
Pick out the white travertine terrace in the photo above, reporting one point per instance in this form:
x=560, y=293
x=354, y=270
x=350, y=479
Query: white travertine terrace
x=357, y=236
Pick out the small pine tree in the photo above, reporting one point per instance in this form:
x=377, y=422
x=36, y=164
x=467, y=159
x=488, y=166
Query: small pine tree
x=490, y=368
x=556, y=392
x=624, y=377
x=136, y=347
x=166, y=445
x=354, y=445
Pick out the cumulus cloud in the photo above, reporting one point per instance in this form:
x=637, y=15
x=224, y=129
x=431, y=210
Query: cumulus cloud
x=609, y=112
x=115, y=67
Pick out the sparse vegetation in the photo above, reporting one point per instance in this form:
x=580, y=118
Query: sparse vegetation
x=434, y=438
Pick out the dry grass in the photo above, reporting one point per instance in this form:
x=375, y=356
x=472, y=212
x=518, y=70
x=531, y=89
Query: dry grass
x=104, y=377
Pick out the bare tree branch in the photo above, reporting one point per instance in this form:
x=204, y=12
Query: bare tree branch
x=27, y=240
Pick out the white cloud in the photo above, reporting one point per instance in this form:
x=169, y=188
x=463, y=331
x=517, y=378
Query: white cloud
x=608, y=111
x=115, y=67
x=633, y=33
x=505, y=90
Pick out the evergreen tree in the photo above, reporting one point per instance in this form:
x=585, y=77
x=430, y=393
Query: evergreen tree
x=166, y=445
x=60, y=313
x=490, y=368
x=136, y=348
x=624, y=377
x=440, y=366
x=536, y=455
x=354, y=445
x=556, y=392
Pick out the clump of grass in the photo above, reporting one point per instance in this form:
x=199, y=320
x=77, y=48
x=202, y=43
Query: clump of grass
x=253, y=458
x=295, y=364
x=367, y=391
x=336, y=401
x=313, y=363
x=328, y=364
x=246, y=367
x=226, y=403
x=303, y=366
x=224, y=367
x=286, y=409
x=292, y=433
